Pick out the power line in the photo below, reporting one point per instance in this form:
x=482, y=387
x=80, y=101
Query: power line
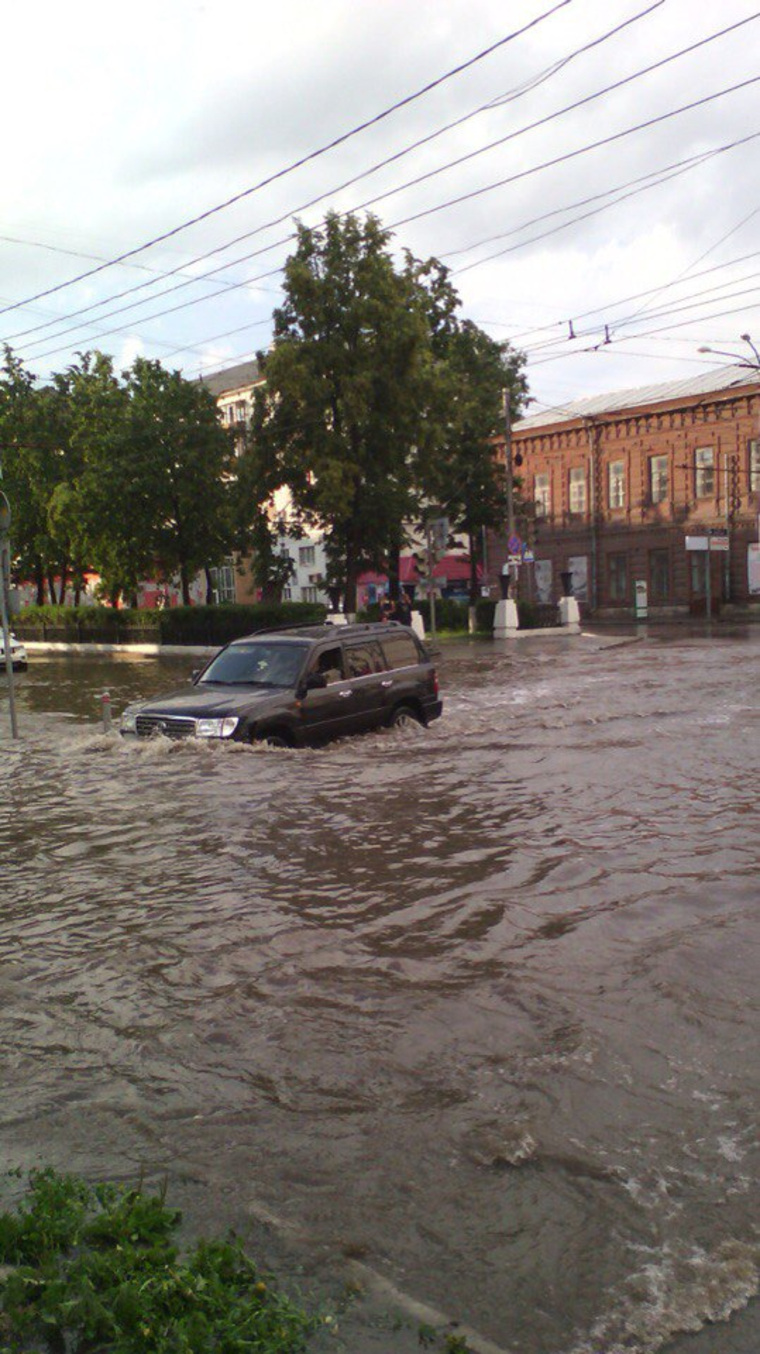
x=501, y=101
x=558, y=113
x=572, y=155
x=297, y=164
x=522, y=174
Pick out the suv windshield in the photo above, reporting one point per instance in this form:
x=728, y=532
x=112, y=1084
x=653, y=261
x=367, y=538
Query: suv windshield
x=260, y=663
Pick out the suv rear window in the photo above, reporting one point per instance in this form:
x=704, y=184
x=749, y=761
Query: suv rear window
x=362, y=660
x=400, y=651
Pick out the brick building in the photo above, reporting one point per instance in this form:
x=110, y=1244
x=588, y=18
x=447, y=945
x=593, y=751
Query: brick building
x=650, y=492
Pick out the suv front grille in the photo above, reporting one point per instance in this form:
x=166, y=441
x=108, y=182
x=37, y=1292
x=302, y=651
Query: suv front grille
x=172, y=726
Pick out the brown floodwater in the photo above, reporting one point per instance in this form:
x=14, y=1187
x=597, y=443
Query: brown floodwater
x=477, y=1004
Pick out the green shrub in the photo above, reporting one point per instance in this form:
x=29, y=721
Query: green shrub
x=219, y=624
x=484, y=614
x=449, y=615
x=98, y=1269
x=85, y=622
x=210, y=625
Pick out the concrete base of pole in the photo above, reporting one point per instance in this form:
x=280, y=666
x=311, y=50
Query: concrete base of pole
x=505, y=620
x=569, y=615
x=418, y=625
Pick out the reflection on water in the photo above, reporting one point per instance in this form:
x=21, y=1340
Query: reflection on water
x=479, y=1004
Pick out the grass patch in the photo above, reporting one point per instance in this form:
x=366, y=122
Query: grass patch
x=96, y=1270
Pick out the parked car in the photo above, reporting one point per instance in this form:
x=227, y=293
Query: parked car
x=300, y=685
x=19, y=656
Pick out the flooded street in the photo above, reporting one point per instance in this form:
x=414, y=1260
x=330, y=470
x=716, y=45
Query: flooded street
x=477, y=1005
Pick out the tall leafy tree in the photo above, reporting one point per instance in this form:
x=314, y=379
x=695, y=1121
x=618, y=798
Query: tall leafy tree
x=348, y=388
x=465, y=475
x=174, y=434
x=93, y=514
x=31, y=463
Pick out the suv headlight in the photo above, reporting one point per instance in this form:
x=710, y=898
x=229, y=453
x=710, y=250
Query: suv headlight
x=216, y=728
x=128, y=721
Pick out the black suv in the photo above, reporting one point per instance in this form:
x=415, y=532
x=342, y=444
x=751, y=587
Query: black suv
x=299, y=685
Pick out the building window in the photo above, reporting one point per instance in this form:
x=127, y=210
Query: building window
x=542, y=496
x=306, y=555
x=616, y=484
x=223, y=581
x=659, y=576
x=309, y=594
x=753, y=465
x=658, y=478
x=578, y=489
x=617, y=571
x=287, y=594
x=704, y=472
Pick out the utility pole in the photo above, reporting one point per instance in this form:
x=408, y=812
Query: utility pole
x=510, y=486
x=509, y=465
x=5, y=578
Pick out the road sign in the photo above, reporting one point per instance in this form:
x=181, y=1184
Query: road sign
x=528, y=556
x=515, y=559
x=514, y=545
x=715, y=542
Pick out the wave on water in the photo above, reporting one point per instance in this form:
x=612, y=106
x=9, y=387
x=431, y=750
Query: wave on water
x=675, y=1295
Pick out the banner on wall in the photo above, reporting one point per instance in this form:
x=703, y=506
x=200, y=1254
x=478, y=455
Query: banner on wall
x=753, y=568
x=578, y=566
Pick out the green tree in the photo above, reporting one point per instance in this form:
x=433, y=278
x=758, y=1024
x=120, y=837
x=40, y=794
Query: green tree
x=31, y=462
x=93, y=513
x=465, y=474
x=349, y=386
x=176, y=441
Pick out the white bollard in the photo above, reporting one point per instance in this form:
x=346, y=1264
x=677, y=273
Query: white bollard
x=569, y=614
x=418, y=625
x=505, y=620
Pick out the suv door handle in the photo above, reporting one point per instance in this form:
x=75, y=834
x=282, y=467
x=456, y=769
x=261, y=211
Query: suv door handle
x=388, y=682
x=343, y=694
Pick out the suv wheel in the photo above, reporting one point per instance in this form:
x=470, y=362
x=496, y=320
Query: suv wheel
x=404, y=717
x=274, y=739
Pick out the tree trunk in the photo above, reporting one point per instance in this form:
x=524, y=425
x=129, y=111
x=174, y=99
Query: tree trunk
x=62, y=583
x=352, y=573
x=474, y=546
x=39, y=582
x=185, y=584
x=51, y=587
x=209, y=587
x=394, y=564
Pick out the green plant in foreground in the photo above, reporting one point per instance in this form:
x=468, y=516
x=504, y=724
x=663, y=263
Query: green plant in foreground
x=95, y=1269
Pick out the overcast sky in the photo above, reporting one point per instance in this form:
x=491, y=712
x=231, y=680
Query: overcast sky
x=124, y=122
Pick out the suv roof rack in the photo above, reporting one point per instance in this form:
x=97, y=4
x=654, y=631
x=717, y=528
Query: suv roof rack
x=315, y=628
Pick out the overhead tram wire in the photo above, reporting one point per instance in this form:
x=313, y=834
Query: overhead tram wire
x=574, y=154
x=521, y=174
x=679, y=167
x=297, y=164
x=500, y=101
x=646, y=333
x=688, y=302
x=691, y=162
x=560, y=112
x=621, y=301
x=645, y=182
x=707, y=252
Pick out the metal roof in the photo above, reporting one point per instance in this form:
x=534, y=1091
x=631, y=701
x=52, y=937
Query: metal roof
x=232, y=378
x=722, y=378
